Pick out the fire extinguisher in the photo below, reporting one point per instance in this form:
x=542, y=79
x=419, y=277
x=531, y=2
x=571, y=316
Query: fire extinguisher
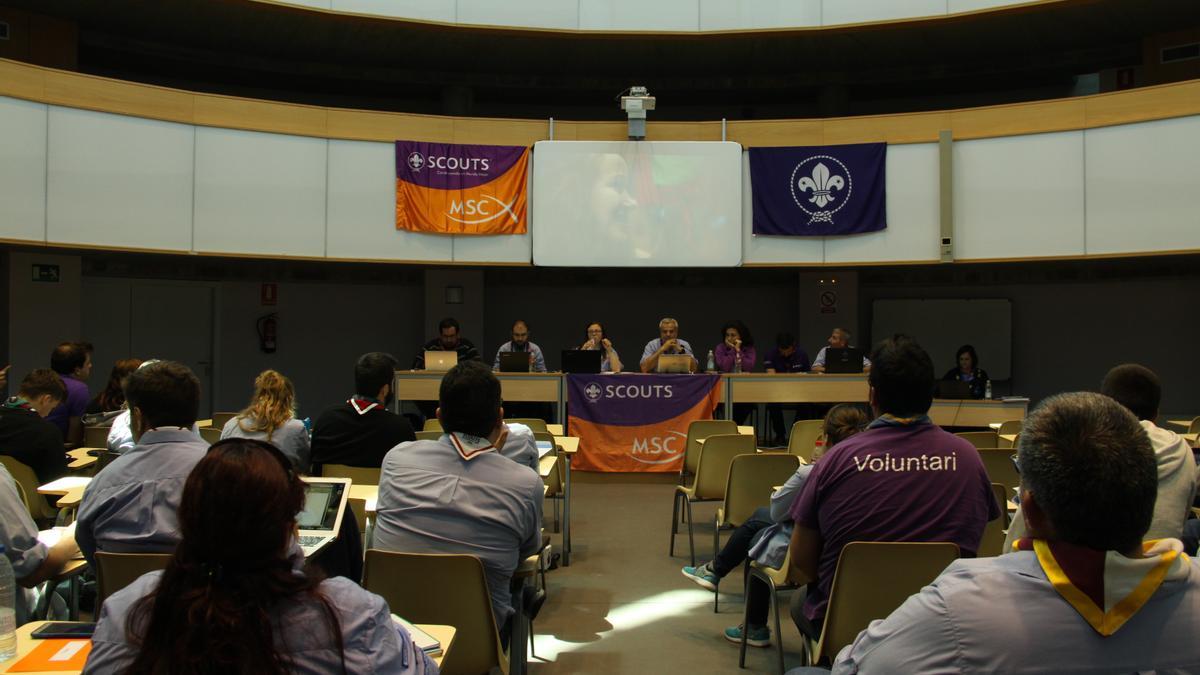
x=268, y=328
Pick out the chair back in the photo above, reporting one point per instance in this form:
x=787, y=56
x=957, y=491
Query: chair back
x=999, y=466
x=1010, y=427
x=39, y=508
x=804, y=438
x=751, y=478
x=1194, y=427
x=712, y=467
x=210, y=434
x=115, y=571
x=220, y=418
x=531, y=422
x=441, y=589
x=358, y=475
x=432, y=435
x=702, y=429
x=555, y=481
x=871, y=581
x=96, y=436
x=433, y=424
x=545, y=436
x=992, y=543
x=980, y=439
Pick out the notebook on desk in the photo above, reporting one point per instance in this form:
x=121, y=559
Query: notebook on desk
x=426, y=642
x=321, y=518
x=440, y=361
x=515, y=362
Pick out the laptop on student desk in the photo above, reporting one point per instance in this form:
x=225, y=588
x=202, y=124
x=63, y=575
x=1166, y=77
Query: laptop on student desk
x=843, y=360
x=324, y=505
x=515, y=362
x=675, y=363
x=440, y=361
x=582, y=360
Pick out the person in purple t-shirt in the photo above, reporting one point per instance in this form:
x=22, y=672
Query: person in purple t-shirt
x=785, y=358
x=736, y=354
x=73, y=363
x=903, y=479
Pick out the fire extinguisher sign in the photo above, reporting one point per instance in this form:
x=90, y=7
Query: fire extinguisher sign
x=269, y=294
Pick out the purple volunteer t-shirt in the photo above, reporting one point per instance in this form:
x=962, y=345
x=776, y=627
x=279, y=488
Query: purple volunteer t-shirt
x=76, y=403
x=893, y=483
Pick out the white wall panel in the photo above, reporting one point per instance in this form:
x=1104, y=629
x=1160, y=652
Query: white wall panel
x=957, y=6
x=1142, y=186
x=422, y=10
x=913, y=228
x=528, y=13
x=763, y=249
x=259, y=193
x=1019, y=197
x=836, y=12
x=22, y=170
x=120, y=181
x=639, y=15
x=753, y=14
x=362, y=207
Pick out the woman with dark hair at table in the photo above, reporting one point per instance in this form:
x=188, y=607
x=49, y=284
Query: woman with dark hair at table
x=968, y=371
x=112, y=398
x=235, y=597
x=597, y=338
x=736, y=354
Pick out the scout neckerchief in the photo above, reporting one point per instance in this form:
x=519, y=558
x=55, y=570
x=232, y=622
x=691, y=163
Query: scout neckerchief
x=18, y=403
x=1105, y=587
x=364, y=404
x=886, y=420
x=469, y=447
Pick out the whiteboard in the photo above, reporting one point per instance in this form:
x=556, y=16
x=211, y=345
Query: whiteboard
x=942, y=326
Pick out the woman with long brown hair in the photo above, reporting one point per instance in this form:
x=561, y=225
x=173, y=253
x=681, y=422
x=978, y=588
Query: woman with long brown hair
x=235, y=598
x=271, y=417
x=112, y=398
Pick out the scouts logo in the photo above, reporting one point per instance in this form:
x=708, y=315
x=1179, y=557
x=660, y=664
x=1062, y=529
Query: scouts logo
x=819, y=182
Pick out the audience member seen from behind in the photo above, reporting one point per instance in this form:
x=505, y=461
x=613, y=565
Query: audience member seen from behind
x=24, y=433
x=924, y=484
x=270, y=417
x=112, y=397
x=120, y=434
x=1083, y=594
x=1140, y=391
x=597, y=338
x=73, y=363
x=520, y=343
x=130, y=506
x=766, y=534
x=667, y=342
x=786, y=357
x=968, y=371
x=360, y=431
x=736, y=354
x=838, y=339
x=235, y=596
x=458, y=494
x=32, y=561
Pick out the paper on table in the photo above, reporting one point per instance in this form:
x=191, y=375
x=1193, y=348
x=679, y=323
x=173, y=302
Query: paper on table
x=544, y=448
x=54, y=655
x=425, y=641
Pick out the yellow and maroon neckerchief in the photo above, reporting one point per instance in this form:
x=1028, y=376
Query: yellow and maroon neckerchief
x=468, y=446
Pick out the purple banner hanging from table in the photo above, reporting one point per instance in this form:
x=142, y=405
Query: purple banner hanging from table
x=819, y=190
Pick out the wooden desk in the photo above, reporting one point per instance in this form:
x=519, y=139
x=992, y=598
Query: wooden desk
x=1180, y=424
x=71, y=498
x=568, y=446
x=443, y=634
x=555, y=429
x=367, y=493
x=746, y=431
x=200, y=424
x=80, y=458
x=1011, y=438
x=793, y=388
x=423, y=385
x=64, y=485
x=976, y=413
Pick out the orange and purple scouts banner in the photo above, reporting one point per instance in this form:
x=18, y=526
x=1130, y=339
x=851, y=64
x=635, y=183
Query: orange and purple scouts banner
x=447, y=188
x=637, y=422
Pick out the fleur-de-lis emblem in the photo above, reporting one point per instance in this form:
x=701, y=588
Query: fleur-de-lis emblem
x=822, y=184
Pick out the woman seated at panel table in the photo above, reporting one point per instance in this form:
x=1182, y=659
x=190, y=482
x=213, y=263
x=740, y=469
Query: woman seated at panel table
x=598, y=339
x=968, y=371
x=736, y=354
x=235, y=597
x=271, y=417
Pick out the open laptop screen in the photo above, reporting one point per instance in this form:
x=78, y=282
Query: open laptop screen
x=321, y=501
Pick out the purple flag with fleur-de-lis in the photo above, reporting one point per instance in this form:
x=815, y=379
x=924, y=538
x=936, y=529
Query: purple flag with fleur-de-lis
x=819, y=190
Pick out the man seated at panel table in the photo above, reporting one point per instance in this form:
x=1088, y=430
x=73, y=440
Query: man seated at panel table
x=520, y=343
x=25, y=435
x=360, y=431
x=130, y=506
x=667, y=342
x=903, y=479
x=458, y=494
x=32, y=561
x=448, y=340
x=838, y=339
x=1140, y=391
x=786, y=357
x=1083, y=594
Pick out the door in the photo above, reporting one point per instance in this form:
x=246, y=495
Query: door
x=175, y=322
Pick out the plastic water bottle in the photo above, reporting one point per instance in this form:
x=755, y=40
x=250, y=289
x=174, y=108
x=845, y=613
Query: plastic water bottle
x=8, y=609
x=712, y=362
x=987, y=390
x=737, y=362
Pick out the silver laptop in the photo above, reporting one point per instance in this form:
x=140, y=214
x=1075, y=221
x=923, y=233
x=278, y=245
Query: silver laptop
x=440, y=361
x=321, y=519
x=675, y=363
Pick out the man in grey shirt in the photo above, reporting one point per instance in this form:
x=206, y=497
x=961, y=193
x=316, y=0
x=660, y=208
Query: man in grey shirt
x=458, y=494
x=1082, y=593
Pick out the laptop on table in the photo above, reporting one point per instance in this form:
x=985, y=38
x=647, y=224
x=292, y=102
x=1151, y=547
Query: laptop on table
x=843, y=360
x=585, y=361
x=321, y=518
x=952, y=389
x=440, y=361
x=515, y=362
x=675, y=363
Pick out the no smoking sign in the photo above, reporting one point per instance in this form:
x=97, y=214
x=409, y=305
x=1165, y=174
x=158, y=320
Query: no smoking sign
x=828, y=301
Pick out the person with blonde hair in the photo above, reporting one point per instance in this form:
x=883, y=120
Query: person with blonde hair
x=270, y=417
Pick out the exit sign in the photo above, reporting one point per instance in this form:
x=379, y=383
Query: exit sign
x=46, y=274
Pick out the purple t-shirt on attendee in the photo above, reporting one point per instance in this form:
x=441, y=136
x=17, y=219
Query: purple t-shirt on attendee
x=76, y=403
x=796, y=363
x=893, y=482
x=725, y=358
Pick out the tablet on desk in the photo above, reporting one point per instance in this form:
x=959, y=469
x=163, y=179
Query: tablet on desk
x=64, y=629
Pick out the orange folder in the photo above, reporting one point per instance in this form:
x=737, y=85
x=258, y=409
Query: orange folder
x=54, y=655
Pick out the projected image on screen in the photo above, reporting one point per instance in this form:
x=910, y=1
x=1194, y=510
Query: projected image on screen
x=625, y=204
x=316, y=506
